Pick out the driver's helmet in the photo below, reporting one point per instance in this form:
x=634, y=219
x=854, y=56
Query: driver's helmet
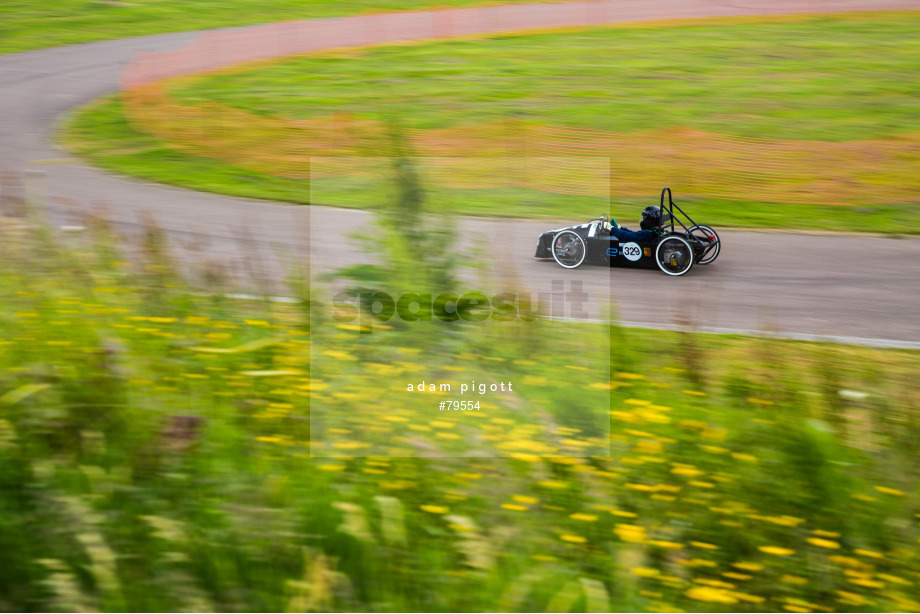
x=653, y=217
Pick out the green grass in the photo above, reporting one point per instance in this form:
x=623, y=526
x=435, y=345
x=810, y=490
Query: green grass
x=830, y=79
x=26, y=24
x=144, y=469
x=826, y=79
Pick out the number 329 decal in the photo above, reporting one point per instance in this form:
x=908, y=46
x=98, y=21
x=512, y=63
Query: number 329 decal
x=632, y=251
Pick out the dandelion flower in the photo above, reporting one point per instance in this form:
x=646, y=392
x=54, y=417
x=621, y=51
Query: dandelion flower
x=525, y=499
x=794, y=579
x=630, y=533
x=711, y=595
x=821, y=533
x=778, y=551
x=748, y=566
x=823, y=543
x=575, y=539
x=434, y=509
x=744, y=457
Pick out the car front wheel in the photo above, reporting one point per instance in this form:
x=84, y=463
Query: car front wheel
x=569, y=249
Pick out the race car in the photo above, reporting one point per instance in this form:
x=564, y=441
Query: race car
x=673, y=250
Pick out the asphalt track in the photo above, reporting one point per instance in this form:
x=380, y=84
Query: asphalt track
x=799, y=285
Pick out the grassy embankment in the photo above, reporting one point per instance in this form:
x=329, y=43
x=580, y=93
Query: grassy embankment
x=817, y=81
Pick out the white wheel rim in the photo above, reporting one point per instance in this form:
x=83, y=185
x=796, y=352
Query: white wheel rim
x=584, y=250
x=658, y=255
x=718, y=248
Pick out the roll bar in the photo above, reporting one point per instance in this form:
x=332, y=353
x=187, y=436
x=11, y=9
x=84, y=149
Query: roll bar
x=670, y=209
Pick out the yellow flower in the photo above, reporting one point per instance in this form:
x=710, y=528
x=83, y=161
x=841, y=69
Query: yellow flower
x=434, y=509
x=746, y=597
x=645, y=572
x=630, y=533
x=583, y=517
x=851, y=598
x=748, y=566
x=525, y=499
x=867, y=582
x=821, y=533
x=744, y=457
x=666, y=544
x=823, y=543
x=704, y=545
x=643, y=487
x=697, y=563
x=776, y=550
x=515, y=508
x=686, y=471
x=889, y=491
x=737, y=576
x=895, y=579
x=575, y=539
x=711, y=595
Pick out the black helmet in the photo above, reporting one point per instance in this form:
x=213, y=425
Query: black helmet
x=652, y=218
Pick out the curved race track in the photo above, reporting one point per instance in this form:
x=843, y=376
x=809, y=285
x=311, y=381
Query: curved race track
x=780, y=283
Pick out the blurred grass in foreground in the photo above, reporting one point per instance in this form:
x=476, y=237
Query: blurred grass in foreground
x=154, y=455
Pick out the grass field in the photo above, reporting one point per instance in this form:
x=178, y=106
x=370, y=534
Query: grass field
x=831, y=79
x=155, y=447
x=25, y=24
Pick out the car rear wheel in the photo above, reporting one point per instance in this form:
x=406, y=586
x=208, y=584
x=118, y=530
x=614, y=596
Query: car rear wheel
x=569, y=249
x=707, y=234
x=674, y=255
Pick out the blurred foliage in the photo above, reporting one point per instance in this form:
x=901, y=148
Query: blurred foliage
x=411, y=242
x=155, y=454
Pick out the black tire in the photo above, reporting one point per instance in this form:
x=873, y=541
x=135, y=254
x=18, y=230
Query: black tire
x=674, y=255
x=712, y=252
x=569, y=249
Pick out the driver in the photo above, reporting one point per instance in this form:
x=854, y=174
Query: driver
x=652, y=220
